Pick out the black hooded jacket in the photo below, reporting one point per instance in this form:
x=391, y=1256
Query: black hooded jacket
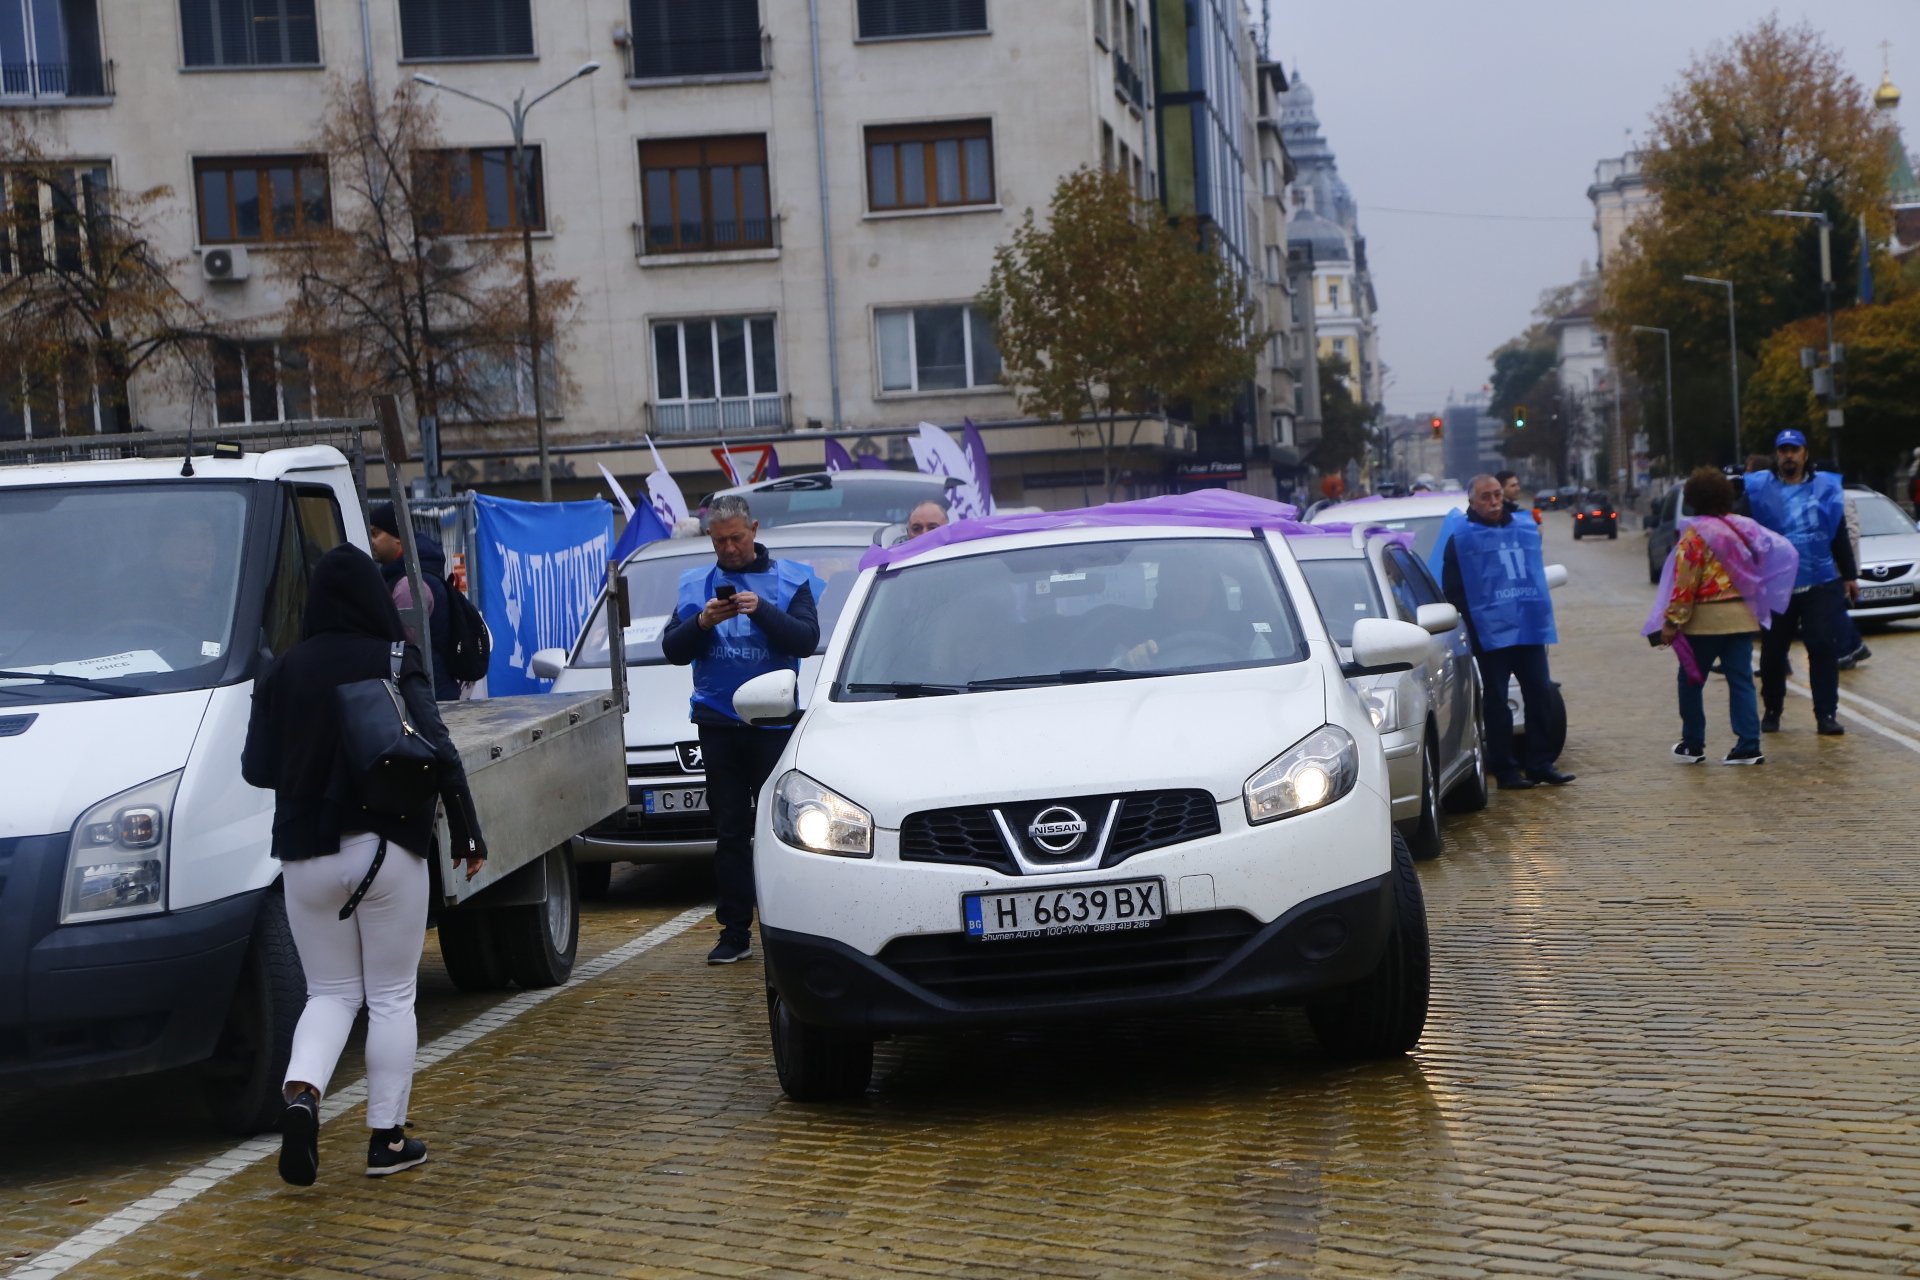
x=433, y=571
x=293, y=739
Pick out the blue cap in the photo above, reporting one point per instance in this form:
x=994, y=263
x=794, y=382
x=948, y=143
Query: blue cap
x=1790, y=436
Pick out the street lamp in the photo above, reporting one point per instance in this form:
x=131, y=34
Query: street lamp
x=1826, y=296
x=517, y=118
x=1733, y=355
x=1666, y=341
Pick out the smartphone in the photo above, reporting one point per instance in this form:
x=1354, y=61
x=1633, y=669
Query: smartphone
x=723, y=592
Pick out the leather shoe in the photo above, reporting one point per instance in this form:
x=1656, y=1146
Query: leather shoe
x=1552, y=777
x=1770, y=722
x=1515, y=783
x=1830, y=727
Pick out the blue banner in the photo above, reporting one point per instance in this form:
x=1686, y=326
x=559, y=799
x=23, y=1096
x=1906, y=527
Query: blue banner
x=541, y=566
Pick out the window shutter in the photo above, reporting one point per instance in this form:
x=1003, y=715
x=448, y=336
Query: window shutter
x=880, y=18
x=249, y=33
x=442, y=29
x=695, y=37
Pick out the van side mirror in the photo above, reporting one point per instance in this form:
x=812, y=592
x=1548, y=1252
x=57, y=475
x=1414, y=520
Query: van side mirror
x=1436, y=619
x=1382, y=646
x=767, y=699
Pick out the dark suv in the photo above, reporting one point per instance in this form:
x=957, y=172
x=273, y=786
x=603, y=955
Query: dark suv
x=1595, y=514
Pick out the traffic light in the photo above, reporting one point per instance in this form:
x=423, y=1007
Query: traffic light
x=1436, y=426
x=1519, y=417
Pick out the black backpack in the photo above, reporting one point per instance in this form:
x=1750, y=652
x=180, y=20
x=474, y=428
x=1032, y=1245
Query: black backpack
x=469, y=643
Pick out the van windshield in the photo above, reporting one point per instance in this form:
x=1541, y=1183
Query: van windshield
x=118, y=587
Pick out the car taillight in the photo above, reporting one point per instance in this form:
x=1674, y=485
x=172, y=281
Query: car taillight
x=1613, y=515
x=1579, y=515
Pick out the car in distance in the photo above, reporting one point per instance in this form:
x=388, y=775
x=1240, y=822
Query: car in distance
x=885, y=497
x=1083, y=771
x=1428, y=716
x=1889, y=559
x=1595, y=514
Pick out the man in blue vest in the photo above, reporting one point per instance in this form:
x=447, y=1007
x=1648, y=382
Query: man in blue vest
x=1491, y=571
x=745, y=616
x=1808, y=509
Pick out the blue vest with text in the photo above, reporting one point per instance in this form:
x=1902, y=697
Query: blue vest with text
x=1506, y=583
x=1807, y=514
x=738, y=650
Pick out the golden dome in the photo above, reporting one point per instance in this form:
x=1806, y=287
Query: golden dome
x=1886, y=96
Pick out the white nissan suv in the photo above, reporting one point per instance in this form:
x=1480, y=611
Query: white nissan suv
x=1077, y=770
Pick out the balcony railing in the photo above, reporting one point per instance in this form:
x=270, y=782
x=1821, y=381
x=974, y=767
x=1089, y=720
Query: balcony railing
x=1127, y=85
x=56, y=81
x=747, y=55
x=727, y=413
x=712, y=237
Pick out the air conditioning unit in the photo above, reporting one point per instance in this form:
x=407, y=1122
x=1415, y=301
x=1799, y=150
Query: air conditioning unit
x=442, y=255
x=225, y=264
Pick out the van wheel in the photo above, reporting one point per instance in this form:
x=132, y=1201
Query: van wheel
x=816, y=1064
x=1426, y=841
x=595, y=879
x=1383, y=1014
x=249, y=1064
x=541, y=940
x=1469, y=795
x=472, y=954
x=1653, y=573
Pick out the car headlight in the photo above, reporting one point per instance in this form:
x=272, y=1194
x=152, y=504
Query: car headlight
x=117, y=859
x=1381, y=707
x=1316, y=771
x=809, y=816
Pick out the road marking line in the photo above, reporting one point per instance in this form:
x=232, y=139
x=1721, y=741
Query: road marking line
x=1867, y=722
x=1885, y=712
x=116, y=1227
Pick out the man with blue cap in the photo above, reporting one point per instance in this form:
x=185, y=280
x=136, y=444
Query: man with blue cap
x=1808, y=509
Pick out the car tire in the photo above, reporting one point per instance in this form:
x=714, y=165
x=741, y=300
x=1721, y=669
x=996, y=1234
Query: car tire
x=470, y=949
x=1576, y=533
x=1426, y=840
x=1653, y=572
x=1469, y=795
x=1613, y=535
x=596, y=879
x=249, y=1064
x=816, y=1064
x=542, y=939
x=1383, y=1014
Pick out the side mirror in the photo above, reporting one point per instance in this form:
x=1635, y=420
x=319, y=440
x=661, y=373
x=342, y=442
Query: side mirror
x=1382, y=646
x=1436, y=619
x=548, y=663
x=1556, y=576
x=767, y=699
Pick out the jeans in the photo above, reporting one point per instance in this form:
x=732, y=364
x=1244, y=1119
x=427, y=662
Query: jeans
x=1528, y=664
x=1817, y=616
x=372, y=958
x=1734, y=653
x=738, y=759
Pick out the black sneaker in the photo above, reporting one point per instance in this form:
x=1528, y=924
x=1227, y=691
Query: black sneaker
x=391, y=1150
x=1684, y=754
x=300, y=1139
x=1552, y=777
x=730, y=950
x=1515, y=782
x=1830, y=727
x=1770, y=722
x=1744, y=755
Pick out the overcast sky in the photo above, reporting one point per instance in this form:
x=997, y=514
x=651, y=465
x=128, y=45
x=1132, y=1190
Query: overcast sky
x=1503, y=107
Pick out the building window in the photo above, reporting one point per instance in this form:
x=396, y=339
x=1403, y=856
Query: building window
x=263, y=381
x=717, y=373
x=1100, y=22
x=249, y=33
x=246, y=199
x=929, y=166
x=935, y=349
x=1106, y=147
x=1333, y=294
x=499, y=384
x=885, y=19
x=1270, y=177
x=442, y=30
x=473, y=190
x=1276, y=265
x=45, y=218
x=76, y=400
x=51, y=49
x=1340, y=348
x=706, y=194
x=695, y=38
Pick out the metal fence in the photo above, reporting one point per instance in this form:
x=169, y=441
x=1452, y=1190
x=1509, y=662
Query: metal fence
x=453, y=524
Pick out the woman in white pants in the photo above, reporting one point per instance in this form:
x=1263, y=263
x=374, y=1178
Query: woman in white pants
x=356, y=889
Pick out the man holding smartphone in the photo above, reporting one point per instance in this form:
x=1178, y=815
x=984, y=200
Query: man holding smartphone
x=745, y=616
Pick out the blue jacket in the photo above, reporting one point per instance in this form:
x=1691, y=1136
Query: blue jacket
x=1812, y=515
x=783, y=629
x=1494, y=575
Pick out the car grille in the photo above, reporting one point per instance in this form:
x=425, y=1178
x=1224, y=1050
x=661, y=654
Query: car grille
x=632, y=824
x=971, y=837
x=1875, y=573
x=648, y=769
x=14, y=726
x=1038, y=971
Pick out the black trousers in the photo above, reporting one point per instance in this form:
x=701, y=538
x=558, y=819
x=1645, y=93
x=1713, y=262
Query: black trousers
x=1528, y=664
x=738, y=760
x=1818, y=616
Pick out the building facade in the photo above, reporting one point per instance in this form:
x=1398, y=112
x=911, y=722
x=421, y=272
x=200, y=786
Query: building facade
x=777, y=215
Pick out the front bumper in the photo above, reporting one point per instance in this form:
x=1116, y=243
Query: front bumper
x=1405, y=763
x=634, y=835
x=1191, y=960
x=1897, y=607
x=114, y=998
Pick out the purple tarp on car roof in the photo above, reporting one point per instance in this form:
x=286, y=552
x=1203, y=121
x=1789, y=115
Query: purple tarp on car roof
x=1207, y=509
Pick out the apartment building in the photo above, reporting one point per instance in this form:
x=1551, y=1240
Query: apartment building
x=777, y=214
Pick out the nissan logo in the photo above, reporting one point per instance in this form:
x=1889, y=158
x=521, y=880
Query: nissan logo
x=1057, y=829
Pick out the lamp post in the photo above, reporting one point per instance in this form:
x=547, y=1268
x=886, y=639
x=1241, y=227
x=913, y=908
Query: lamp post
x=523, y=174
x=1666, y=341
x=1733, y=355
x=1826, y=297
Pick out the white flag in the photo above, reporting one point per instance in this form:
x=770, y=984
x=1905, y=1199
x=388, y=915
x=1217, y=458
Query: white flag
x=619, y=494
x=936, y=454
x=668, y=502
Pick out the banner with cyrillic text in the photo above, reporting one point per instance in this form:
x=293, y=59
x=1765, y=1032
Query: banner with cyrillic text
x=542, y=566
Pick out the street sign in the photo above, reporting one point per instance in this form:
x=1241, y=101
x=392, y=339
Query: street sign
x=742, y=454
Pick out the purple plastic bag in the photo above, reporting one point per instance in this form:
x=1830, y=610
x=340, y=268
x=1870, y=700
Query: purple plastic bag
x=1688, y=663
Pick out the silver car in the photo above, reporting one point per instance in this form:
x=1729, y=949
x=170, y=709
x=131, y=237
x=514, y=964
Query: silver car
x=1889, y=558
x=1429, y=717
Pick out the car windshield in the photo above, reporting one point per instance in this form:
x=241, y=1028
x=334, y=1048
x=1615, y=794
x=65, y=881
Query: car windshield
x=1879, y=516
x=653, y=585
x=807, y=500
x=1599, y=502
x=1345, y=591
x=1425, y=530
x=1066, y=613
x=118, y=587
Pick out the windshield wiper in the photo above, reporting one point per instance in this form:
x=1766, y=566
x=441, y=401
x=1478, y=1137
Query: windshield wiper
x=905, y=689
x=78, y=682
x=1079, y=675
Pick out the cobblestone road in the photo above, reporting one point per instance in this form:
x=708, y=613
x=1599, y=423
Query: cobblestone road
x=1675, y=1032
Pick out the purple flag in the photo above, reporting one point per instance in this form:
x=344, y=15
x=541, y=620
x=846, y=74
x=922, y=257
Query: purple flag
x=982, y=473
x=872, y=462
x=772, y=471
x=838, y=459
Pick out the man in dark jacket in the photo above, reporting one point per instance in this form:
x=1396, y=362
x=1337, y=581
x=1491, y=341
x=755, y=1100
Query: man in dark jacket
x=747, y=615
x=383, y=535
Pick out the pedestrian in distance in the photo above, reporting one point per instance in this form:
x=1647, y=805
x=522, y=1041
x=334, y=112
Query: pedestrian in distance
x=746, y=615
x=1808, y=509
x=1722, y=584
x=1490, y=567
x=1510, y=493
x=383, y=536
x=355, y=879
